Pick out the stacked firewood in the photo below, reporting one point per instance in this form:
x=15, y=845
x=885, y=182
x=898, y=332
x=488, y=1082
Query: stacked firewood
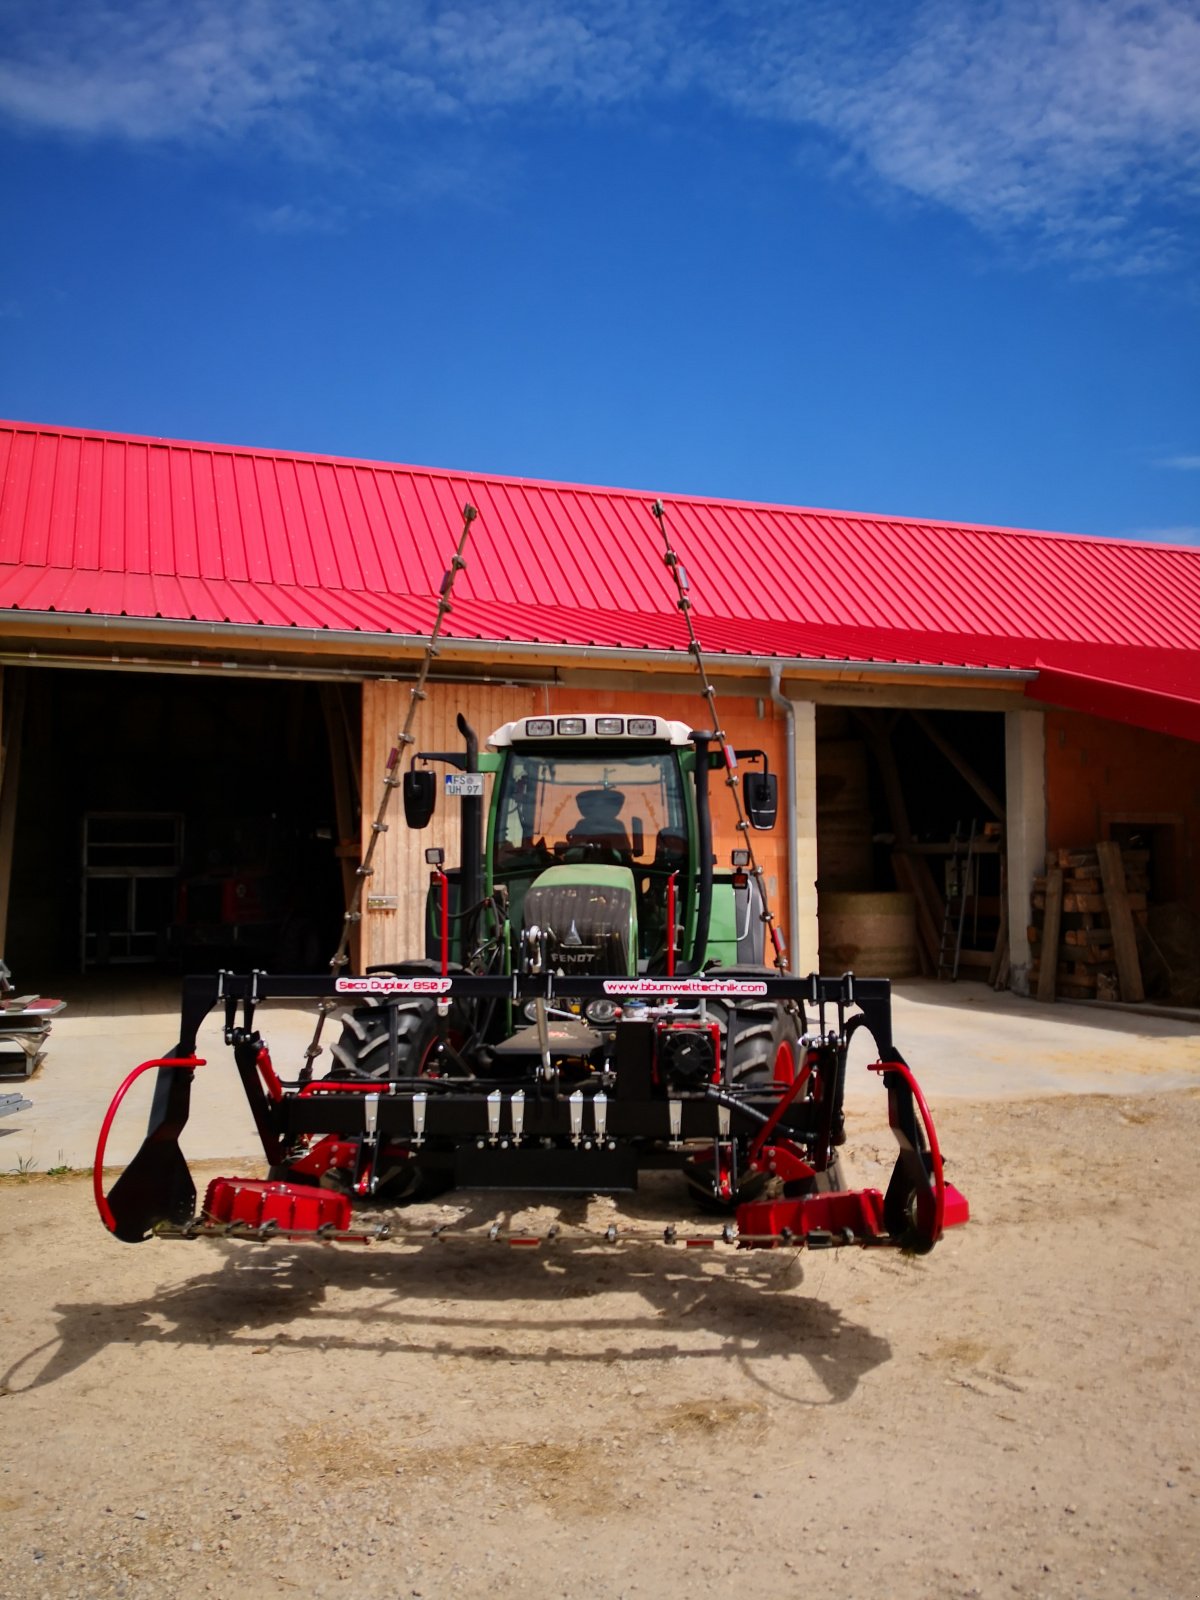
x=1087, y=906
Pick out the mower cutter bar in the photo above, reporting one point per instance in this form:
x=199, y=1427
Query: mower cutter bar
x=580, y=1239
x=264, y=1211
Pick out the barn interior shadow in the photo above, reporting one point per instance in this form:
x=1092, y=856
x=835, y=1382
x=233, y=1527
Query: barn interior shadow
x=461, y=1301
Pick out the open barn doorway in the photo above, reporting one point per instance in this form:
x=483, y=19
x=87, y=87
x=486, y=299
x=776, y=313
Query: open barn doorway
x=910, y=842
x=177, y=822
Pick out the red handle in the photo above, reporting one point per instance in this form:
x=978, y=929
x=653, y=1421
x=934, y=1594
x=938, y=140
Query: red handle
x=189, y=1064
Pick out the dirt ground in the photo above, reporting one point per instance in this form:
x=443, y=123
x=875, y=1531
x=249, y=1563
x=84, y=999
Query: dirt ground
x=1018, y=1413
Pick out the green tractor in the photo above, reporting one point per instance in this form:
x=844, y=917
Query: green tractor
x=594, y=857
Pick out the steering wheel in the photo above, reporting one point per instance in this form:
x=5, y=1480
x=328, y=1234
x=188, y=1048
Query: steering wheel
x=602, y=854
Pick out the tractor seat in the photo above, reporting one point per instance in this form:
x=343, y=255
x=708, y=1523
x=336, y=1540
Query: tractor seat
x=599, y=821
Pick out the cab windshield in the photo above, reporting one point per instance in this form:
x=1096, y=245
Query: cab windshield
x=627, y=809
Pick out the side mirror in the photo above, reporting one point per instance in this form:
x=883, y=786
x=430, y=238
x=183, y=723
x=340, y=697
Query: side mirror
x=420, y=796
x=760, y=796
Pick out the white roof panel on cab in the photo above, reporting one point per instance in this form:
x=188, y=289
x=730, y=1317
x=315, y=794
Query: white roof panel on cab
x=593, y=726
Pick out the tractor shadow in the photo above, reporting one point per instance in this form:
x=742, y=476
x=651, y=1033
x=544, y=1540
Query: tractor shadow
x=486, y=1303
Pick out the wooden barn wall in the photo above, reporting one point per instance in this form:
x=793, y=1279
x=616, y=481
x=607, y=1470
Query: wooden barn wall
x=1099, y=773
x=400, y=868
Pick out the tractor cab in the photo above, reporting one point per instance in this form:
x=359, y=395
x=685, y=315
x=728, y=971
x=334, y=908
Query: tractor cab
x=590, y=824
x=596, y=843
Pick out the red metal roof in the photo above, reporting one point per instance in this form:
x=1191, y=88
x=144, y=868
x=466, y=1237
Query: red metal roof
x=115, y=525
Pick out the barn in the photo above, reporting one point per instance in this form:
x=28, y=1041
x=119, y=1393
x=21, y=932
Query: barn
x=207, y=652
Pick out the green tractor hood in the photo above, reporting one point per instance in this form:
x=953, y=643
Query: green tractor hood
x=587, y=913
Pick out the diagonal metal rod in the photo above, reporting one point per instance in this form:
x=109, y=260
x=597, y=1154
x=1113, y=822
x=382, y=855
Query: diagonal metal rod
x=709, y=694
x=392, y=776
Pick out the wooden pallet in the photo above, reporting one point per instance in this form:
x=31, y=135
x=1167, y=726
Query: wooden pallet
x=1083, y=930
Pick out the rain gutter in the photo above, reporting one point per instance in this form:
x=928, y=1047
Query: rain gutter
x=225, y=633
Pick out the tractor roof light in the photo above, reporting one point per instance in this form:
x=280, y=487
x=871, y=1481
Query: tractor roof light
x=435, y=856
x=589, y=725
x=740, y=858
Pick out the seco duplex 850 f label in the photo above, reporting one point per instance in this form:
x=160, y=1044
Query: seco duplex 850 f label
x=383, y=984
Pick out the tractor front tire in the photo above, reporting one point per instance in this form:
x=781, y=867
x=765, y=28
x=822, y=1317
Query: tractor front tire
x=363, y=1049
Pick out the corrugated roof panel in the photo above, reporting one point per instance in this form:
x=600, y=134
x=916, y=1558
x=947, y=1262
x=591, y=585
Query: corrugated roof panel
x=295, y=535
x=633, y=569
x=273, y=556
x=39, y=494
x=331, y=534
x=27, y=539
x=209, y=556
x=433, y=520
x=568, y=548
x=568, y=552
x=8, y=443
x=1129, y=590
x=231, y=524
x=322, y=572
x=160, y=510
x=336, y=540
x=137, y=510
x=83, y=546
x=494, y=569
x=248, y=502
x=397, y=550
x=114, y=528
x=360, y=506
x=183, y=516
x=65, y=459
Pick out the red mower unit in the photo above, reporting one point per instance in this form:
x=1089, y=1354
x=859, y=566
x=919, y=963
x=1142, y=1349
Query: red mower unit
x=592, y=1002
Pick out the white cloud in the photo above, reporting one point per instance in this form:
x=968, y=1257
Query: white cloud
x=155, y=69
x=289, y=218
x=1183, y=533
x=1069, y=126
x=1182, y=463
x=1067, y=120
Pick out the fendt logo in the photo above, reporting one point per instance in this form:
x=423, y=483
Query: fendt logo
x=666, y=988
x=385, y=985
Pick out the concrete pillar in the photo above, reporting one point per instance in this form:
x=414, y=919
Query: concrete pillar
x=803, y=798
x=1025, y=802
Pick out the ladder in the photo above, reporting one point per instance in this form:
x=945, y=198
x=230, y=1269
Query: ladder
x=959, y=869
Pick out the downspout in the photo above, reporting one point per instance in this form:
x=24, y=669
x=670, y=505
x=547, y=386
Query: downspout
x=793, y=840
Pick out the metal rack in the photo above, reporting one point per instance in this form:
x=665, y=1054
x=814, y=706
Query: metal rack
x=129, y=866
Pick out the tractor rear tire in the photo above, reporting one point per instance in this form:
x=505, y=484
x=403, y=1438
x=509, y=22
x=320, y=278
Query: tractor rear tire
x=760, y=1029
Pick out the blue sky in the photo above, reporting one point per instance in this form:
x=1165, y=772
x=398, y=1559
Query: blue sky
x=935, y=259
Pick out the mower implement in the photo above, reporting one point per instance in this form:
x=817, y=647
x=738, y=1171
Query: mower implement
x=767, y=1148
